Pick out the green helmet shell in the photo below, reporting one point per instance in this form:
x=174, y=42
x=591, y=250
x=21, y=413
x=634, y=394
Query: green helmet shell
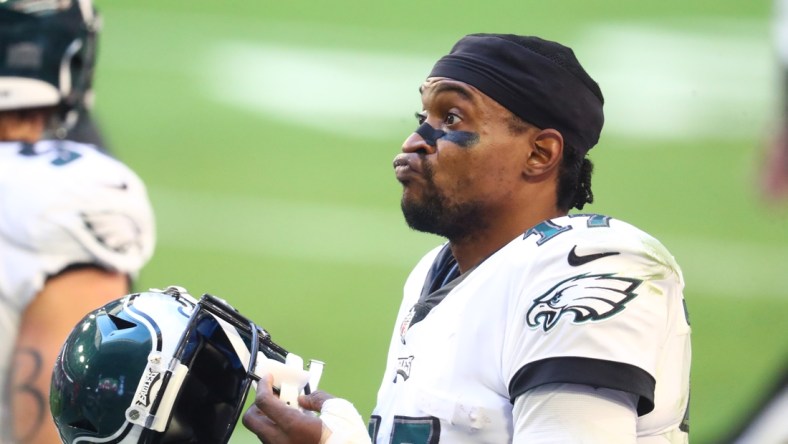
x=101, y=366
x=106, y=353
x=156, y=367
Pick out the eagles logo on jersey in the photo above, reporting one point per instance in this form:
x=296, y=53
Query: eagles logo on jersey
x=114, y=230
x=590, y=297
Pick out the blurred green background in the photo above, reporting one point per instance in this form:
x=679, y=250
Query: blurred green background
x=265, y=132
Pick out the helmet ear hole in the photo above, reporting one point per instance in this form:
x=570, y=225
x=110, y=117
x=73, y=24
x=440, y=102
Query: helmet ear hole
x=120, y=323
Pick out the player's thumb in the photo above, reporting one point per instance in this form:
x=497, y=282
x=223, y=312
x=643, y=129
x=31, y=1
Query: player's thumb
x=314, y=401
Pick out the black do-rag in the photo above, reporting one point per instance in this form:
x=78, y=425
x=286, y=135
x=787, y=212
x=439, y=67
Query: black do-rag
x=538, y=80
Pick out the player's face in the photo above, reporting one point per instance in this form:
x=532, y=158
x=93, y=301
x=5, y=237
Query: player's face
x=466, y=181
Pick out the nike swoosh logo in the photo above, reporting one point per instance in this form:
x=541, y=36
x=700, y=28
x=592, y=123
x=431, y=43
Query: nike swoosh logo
x=119, y=186
x=576, y=261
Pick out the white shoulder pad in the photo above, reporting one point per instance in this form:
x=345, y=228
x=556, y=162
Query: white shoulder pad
x=65, y=203
x=581, y=239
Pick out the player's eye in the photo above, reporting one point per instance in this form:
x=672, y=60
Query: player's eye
x=452, y=119
x=421, y=117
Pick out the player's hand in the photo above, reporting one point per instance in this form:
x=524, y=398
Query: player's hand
x=314, y=401
x=274, y=422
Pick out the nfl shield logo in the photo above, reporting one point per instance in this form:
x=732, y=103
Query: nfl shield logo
x=403, y=328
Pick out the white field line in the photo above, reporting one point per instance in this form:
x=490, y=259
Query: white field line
x=355, y=235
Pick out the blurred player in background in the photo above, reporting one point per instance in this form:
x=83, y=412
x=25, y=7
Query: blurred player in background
x=86, y=128
x=766, y=421
x=529, y=325
x=75, y=225
x=774, y=174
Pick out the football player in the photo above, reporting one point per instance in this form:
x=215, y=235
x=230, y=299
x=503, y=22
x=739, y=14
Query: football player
x=774, y=168
x=76, y=225
x=531, y=324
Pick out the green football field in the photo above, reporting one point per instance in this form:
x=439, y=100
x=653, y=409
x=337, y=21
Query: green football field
x=265, y=132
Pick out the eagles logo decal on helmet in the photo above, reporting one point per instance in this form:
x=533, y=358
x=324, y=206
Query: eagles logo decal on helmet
x=47, y=54
x=162, y=367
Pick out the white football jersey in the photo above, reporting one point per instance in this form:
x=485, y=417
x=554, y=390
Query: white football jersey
x=63, y=204
x=582, y=299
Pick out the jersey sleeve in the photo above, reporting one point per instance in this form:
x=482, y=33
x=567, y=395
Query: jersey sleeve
x=600, y=311
x=70, y=206
x=570, y=413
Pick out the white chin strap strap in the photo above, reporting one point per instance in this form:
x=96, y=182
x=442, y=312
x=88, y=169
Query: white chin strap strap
x=289, y=377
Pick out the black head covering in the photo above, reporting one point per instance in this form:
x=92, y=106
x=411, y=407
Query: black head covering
x=538, y=80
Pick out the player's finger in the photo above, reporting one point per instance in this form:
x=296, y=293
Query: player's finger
x=270, y=405
x=314, y=401
x=262, y=426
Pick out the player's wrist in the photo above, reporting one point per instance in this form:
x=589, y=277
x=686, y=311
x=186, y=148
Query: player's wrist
x=342, y=424
x=325, y=435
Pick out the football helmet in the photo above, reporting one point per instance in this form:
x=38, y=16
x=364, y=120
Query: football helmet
x=47, y=54
x=162, y=367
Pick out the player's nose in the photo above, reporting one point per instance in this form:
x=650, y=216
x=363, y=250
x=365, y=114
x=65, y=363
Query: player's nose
x=415, y=143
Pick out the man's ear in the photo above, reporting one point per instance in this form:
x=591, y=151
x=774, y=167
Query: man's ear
x=547, y=151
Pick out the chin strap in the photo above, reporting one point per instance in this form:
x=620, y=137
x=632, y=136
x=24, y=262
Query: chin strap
x=290, y=378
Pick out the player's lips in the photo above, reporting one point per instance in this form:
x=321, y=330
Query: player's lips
x=406, y=165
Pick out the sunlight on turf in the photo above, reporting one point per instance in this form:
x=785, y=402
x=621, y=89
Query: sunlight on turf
x=672, y=82
x=660, y=82
x=348, y=92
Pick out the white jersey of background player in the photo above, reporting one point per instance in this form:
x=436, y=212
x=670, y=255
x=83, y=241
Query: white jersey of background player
x=64, y=205
x=75, y=224
x=585, y=300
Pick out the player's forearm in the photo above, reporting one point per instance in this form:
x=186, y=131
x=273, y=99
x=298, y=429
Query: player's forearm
x=29, y=395
x=44, y=327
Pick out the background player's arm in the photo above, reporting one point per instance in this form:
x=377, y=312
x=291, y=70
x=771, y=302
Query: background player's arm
x=62, y=302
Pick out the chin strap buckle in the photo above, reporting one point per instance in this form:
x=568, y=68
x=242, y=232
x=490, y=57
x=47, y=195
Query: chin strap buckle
x=290, y=378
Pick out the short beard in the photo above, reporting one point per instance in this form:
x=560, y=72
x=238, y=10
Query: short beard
x=434, y=214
